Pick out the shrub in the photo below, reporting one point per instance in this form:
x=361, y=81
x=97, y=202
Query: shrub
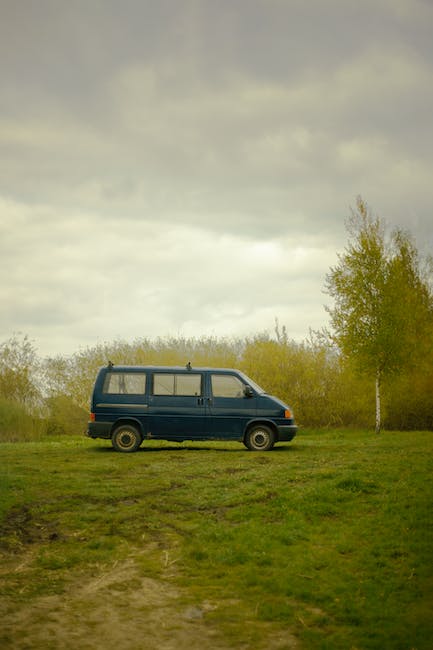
x=16, y=424
x=65, y=416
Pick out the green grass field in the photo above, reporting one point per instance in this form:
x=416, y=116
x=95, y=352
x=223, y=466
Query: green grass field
x=325, y=542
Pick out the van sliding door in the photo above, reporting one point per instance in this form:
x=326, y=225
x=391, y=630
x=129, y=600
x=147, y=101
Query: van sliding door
x=176, y=406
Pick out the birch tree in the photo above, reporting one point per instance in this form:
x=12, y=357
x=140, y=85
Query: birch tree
x=381, y=301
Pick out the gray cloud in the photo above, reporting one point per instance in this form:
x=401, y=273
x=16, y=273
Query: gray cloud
x=187, y=167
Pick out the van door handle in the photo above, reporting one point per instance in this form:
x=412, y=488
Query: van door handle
x=200, y=401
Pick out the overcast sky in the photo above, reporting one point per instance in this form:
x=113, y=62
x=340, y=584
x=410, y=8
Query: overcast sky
x=185, y=167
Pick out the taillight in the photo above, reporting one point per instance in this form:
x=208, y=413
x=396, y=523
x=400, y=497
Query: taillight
x=92, y=417
x=288, y=414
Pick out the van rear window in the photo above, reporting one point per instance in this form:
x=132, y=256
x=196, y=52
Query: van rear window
x=176, y=384
x=125, y=383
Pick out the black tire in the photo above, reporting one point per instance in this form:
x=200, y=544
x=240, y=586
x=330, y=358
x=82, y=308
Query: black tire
x=260, y=438
x=126, y=438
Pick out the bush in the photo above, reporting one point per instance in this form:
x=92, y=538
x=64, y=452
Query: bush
x=16, y=424
x=65, y=416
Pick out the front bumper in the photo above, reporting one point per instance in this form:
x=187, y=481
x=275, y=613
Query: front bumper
x=286, y=432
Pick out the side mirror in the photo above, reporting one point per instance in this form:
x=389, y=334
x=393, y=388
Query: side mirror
x=248, y=391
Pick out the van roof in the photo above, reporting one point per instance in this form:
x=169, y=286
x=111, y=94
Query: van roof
x=129, y=368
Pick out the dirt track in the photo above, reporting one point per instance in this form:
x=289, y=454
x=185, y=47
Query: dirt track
x=119, y=609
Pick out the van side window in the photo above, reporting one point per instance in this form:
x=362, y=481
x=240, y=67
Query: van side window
x=188, y=384
x=176, y=384
x=120, y=383
x=163, y=384
x=227, y=386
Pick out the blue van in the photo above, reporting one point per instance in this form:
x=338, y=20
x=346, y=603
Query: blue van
x=134, y=403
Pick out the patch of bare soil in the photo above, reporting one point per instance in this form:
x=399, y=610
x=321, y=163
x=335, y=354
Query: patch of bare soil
x=120, y=609
x=21, y=528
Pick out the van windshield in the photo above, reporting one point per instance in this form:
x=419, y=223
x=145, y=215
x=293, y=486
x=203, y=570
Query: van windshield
x=250, y=382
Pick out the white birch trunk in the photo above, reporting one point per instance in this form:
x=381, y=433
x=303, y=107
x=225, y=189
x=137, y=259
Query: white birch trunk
x=378, y=415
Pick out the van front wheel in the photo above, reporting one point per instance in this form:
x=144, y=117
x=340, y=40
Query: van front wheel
x=259, y=438
x=126, y=438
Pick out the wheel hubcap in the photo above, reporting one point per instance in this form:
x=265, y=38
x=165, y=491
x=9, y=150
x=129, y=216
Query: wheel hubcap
x=260, y=439
x=126, y=440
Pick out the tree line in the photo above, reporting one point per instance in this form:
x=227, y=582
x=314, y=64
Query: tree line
x=372, y=368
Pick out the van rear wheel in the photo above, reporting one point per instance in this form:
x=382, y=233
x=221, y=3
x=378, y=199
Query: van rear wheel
x=126, y=438
x=259, y=438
